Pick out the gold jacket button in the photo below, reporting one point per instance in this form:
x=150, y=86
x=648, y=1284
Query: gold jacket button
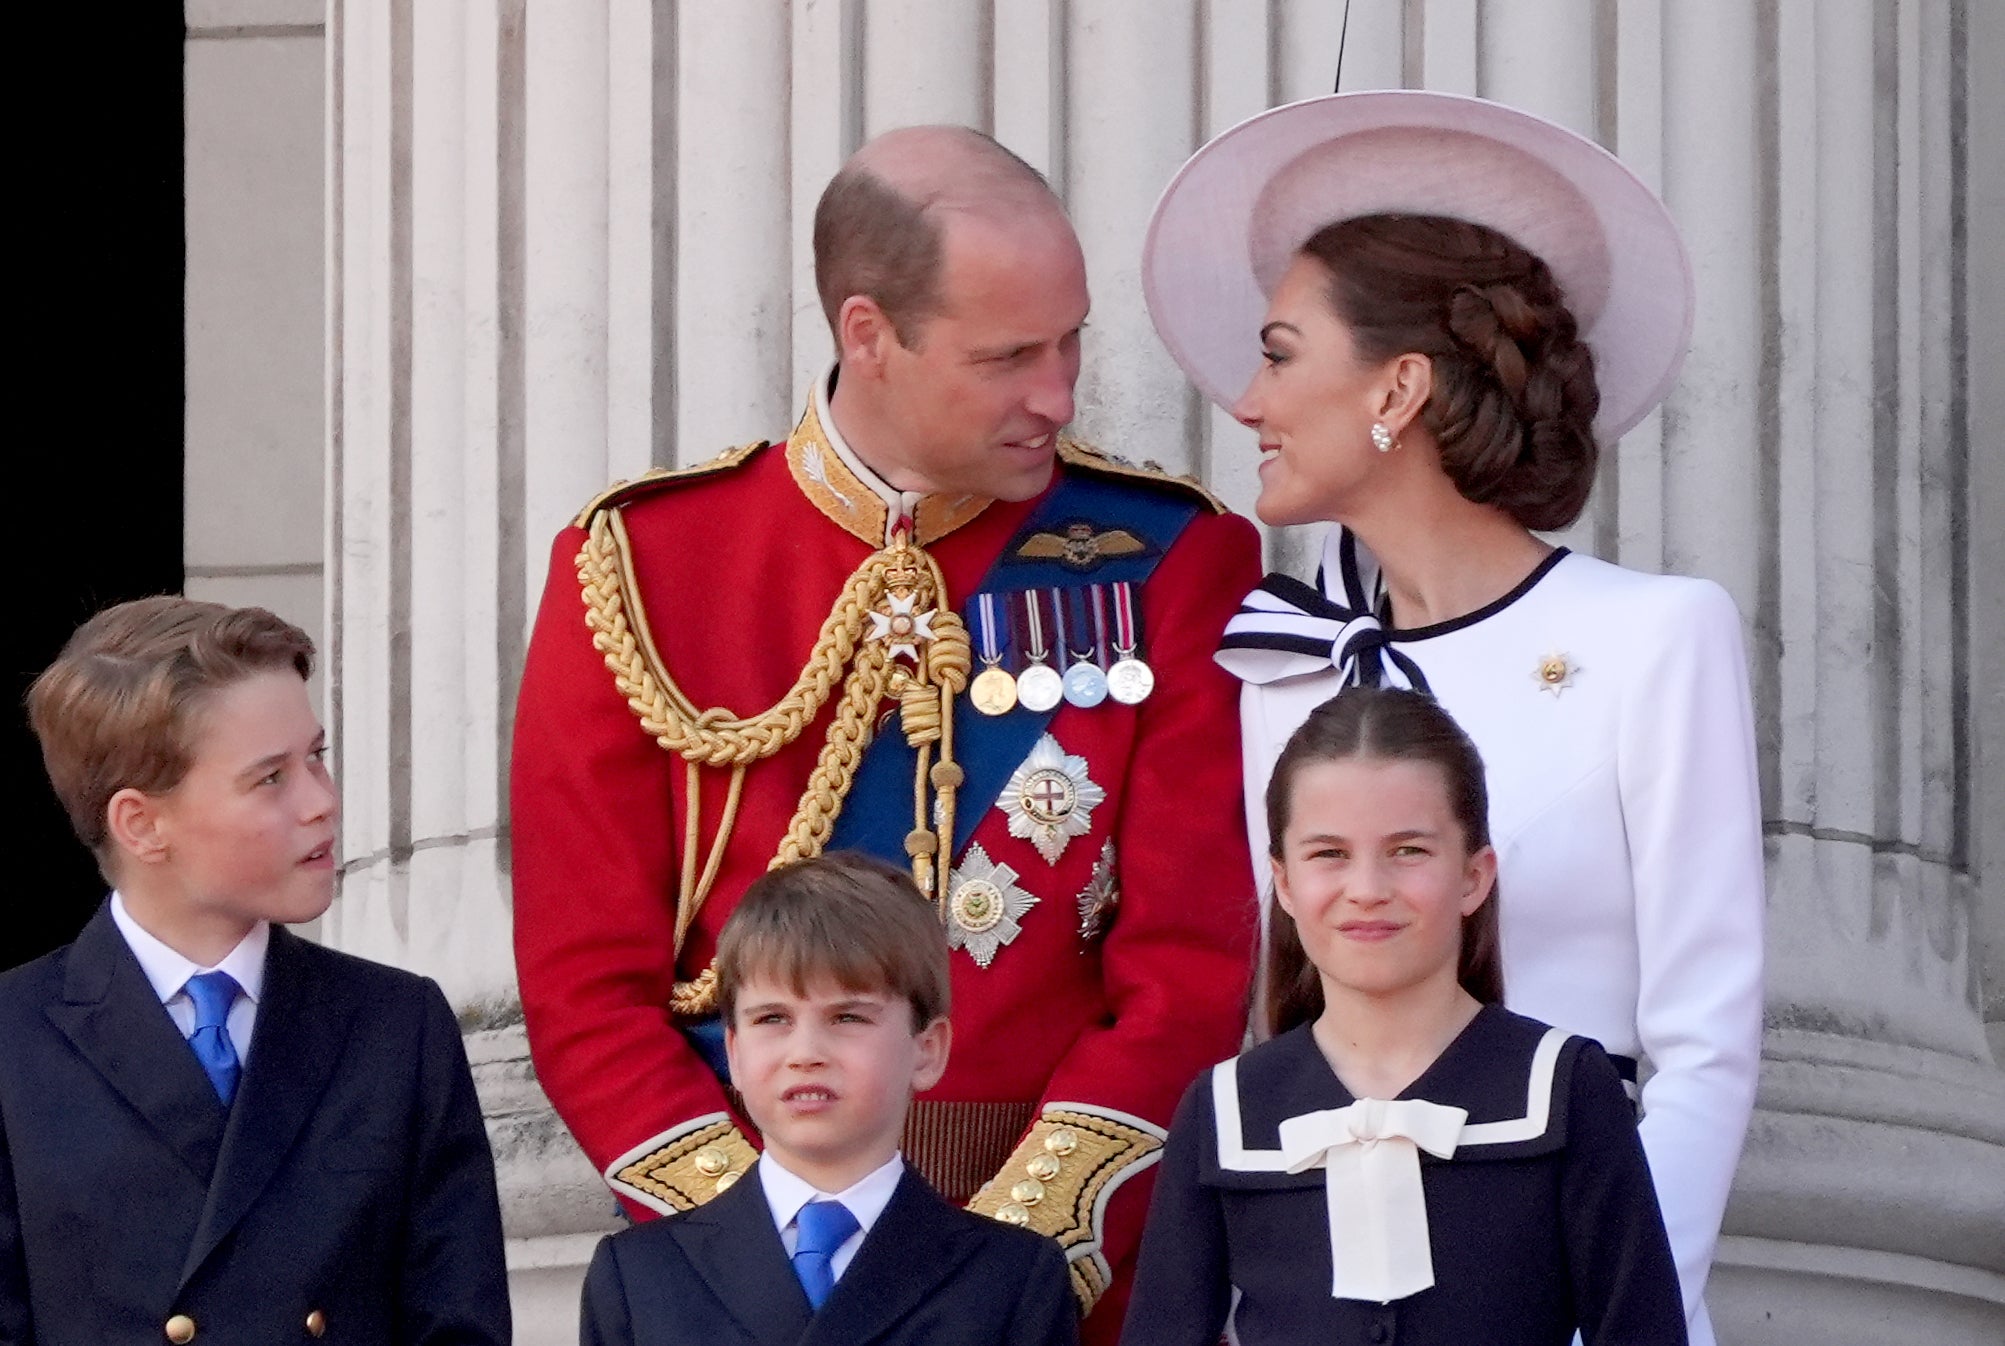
x=711, y=1161
x=1028, y=1192
x=1013, y=1212
x=180, y=1329
x=1044, y=1167
x=316, y=1324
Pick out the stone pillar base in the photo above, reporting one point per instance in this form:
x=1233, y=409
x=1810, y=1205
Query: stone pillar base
x=1870, y=1203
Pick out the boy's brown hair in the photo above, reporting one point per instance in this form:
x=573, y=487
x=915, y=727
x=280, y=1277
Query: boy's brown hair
x=846, y=916
x=118, y=707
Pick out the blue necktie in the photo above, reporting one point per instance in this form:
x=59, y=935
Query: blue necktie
x=213, y=994
x=822, y=1227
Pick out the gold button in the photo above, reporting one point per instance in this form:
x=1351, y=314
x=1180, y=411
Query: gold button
x=316, y=1323
x=1011, y=1212
x=180, y=1329
x=1030, y=1191
x=711, y=1161
x=725, y=1181
x=1044, y=1167
x=1063, y=1141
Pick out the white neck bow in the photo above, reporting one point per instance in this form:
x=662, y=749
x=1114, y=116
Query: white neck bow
x=1370, y=1153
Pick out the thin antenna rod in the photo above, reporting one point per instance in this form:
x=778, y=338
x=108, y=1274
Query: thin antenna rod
x=1343, y=35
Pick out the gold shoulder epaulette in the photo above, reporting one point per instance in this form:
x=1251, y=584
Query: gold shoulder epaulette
x=1083, y=455
x=620, y=491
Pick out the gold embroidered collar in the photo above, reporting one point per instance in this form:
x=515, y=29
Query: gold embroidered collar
x=843, y=488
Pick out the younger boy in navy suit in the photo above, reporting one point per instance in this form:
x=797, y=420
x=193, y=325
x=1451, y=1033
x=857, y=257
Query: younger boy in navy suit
x=210, y=1129
x=832, y=983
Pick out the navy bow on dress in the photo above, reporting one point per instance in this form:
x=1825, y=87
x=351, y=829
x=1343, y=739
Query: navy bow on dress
x=1286, y=629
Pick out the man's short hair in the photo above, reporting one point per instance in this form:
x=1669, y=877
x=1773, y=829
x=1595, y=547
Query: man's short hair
x=871, y=239
x=117, y=708
x=845, y=917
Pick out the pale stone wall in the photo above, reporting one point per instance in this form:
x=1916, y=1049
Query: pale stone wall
x=568, y=238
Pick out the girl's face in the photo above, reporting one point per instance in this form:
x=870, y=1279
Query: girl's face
x=1377, y=874
x=1313, y=402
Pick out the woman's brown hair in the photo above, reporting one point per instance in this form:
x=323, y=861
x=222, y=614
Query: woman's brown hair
x=1514, y=398
x=1379, y=724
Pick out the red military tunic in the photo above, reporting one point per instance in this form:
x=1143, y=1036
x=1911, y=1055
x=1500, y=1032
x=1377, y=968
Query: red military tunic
x=738, y=566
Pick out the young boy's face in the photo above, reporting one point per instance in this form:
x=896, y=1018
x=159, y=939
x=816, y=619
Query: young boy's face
x=827, y=1076
x=248, y=834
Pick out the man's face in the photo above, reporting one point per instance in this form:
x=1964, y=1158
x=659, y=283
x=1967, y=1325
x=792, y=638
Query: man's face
x=975, y=404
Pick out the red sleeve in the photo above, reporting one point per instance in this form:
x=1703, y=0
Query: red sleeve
x=595, y=891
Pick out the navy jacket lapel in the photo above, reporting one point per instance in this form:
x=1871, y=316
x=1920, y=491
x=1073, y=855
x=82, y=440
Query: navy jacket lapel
x=732, y=1244
x=302, y=1026
x=110, y=1014
x=885, y=1281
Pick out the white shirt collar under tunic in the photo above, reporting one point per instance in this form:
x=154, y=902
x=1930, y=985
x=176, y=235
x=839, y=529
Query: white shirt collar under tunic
x=787, y=1192
x=168, y=971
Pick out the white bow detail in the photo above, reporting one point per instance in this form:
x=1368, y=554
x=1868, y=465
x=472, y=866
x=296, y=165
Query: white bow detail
x=1370, y=1153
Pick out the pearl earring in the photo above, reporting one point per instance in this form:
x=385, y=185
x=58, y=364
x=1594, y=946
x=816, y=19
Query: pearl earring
x=1381, y=438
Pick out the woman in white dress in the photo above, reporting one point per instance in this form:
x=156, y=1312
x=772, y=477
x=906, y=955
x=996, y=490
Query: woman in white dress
x=1433, y=310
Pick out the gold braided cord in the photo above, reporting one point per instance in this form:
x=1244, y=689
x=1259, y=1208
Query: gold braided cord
x=716, y=737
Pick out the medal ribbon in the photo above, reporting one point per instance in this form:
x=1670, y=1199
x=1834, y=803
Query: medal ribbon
x=1033, y=619
x=990, y=648
x=1081, y=628
x=1126, y=639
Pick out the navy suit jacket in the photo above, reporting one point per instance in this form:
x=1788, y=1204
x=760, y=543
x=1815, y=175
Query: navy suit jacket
x=927, y=1272
x=350, y=1180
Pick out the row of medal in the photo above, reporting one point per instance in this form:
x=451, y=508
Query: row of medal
x=1080, y=645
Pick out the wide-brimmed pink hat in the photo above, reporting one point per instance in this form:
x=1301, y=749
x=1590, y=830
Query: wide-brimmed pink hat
x=1234, y=216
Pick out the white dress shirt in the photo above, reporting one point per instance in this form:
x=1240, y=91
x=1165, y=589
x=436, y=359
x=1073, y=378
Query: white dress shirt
x=786, y=1193
x=169, y=971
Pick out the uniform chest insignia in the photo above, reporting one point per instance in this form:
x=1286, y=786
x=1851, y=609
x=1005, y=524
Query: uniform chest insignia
x=1555, y=673
x=1099, y=898
x=984, y=906
x=1080, y=546
x=899, y=626
x=1050, y=799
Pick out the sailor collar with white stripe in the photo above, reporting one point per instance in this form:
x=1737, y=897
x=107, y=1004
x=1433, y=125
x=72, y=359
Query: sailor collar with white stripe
x=1287, y=629
x=1511, y=1074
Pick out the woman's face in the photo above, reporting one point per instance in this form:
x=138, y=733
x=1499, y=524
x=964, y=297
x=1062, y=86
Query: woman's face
x=1376, y=872
x=1313, y=402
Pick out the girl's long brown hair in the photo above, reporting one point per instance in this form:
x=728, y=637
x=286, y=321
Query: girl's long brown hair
x=1381, y=724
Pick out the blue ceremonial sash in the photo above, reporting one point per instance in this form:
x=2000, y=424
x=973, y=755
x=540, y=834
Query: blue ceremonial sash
x=877, y=813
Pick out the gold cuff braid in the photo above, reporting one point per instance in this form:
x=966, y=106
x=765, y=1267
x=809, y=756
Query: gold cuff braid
x=692, y=1168
x=1053, y=1182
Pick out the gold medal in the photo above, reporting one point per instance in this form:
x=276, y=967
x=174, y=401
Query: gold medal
x=993, y=691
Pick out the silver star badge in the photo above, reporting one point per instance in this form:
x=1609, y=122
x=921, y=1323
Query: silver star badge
x=1099, y=897
x=984, y=906
x=1050, y=800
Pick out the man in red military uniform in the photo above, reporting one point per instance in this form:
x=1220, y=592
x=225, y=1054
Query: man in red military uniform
x=927, y=626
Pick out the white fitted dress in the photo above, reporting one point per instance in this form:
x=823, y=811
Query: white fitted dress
x=1611, y=710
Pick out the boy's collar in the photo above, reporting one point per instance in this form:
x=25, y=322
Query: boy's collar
x=786, y=1191
x=168, y=970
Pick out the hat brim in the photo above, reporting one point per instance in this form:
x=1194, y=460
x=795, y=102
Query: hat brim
x=1239, y=209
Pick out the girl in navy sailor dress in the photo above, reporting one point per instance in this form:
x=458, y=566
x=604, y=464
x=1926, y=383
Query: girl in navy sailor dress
x=1405, y=1161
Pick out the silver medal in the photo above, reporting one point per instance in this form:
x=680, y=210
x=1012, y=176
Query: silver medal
x=1130, y=681
x=1085, y=685
x=1039, y=688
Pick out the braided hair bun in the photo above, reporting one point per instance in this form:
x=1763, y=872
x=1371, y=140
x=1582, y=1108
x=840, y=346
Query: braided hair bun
x=1514, y=396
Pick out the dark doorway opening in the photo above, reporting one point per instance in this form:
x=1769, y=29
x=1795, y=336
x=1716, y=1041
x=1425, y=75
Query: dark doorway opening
x=96, y=469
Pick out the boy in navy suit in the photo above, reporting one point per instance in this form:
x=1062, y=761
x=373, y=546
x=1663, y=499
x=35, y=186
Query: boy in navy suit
x=832, y=984
x=210, y=1129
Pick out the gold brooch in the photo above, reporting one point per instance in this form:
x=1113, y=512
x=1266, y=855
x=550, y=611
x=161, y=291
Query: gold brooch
x=1554, y=673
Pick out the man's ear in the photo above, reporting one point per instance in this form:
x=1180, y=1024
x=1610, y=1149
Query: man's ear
x=864, y=336
x=136, y=828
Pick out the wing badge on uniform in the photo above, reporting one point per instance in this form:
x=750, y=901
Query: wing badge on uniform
x=1081, y=546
